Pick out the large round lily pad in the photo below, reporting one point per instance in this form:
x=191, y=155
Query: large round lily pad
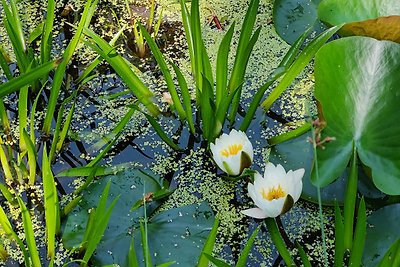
x=382, y=231
x=185, y=228
x=293, y=17
x=375, y=18
x=357, y=82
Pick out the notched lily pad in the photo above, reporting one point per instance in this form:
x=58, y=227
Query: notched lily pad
x=379, y=19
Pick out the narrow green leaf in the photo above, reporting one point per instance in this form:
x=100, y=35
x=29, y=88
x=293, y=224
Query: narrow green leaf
x=392, y=256
x=186, y=21
x=187, y=103
x=298, y=65
x=100, y=170
x=246, y=250
x=4, y=60
x=198, y=45
x=26, y=78
x=29, y=235
x=359, y=236
x=36, y=32
x=132, y=259
x=32, y=156
x=166, y=73
x=65, y=128
x=22, y=115
x=166, y=264
x=145, y=244
x=51, y=205
x=47, y=36
x=207, y=110
x=303, y=255
x=339, y=237
x=209, y=245
x=289, y=135
x=222, y=66
x=217, y=262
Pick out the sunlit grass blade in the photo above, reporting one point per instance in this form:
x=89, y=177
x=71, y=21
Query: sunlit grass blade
x=87, y=182
x=60, y=72
x=37, y=31
x=289, y=135
x=209, y=245
x=246, y=250
x=70, y=206
x=4, y=60
x=100, y=170
x=195, y=27
x=221, y=89
x=99, y=223
x=239, y=66
x=7, y=194
x=298, y=65
x=98, y=59
x=22, y=115
x=208, y=111
x=51, y=205
x=166, y=264
x=303, y=255
x=392, y=256
x=132, y=259
x=138, y=88
x=45, y=44
x=350, y=201
x=32, y=114
x=359, y=236
x=5, y=164
x=339, y=237
x=7, y=228
x=145, y=243
x=242, y=69
x=283, y=66
x=29, y=235
x=166, y=73
x=32, y=156
x=66, y=127
x=186, y=21
x=3, y=252
x=26, y=78
x=187, y=103
x=217, y=262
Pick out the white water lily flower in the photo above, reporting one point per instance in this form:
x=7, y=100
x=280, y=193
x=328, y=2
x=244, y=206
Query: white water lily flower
x=232, y=153
x=275, y=193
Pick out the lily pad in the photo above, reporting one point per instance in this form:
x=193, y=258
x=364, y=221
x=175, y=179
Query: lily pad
x=382, y=231
x=357, y=84
x=171, y=233
x=375, y=18
x=293, y=17
x=298, y=153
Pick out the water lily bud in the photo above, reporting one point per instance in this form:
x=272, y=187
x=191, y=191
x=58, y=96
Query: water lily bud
x=232, y=153
x=275, y=193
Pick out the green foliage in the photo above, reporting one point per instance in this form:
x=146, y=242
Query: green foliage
x=366, y=71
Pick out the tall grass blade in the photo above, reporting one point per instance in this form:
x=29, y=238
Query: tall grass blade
x=359, y=236
x=221, y=89
x=339, y=237
x=132, y=259
x=5, y=164
x=166, y=73
x=217, y=262
x=145, y=243
x=100, y=221
x=60, y=72
x=32, y=156
x=246, y=250
x=45, y=44
x=4, y=60
x=187, y=103
x=298, y=65
x=209, y=245
x=7, y=228
x=207, y=111
x=186, y=21
x=289, y=135
x=22, y=115
x=51, y=205
x=392, y=256
x=29, y=235
x=195, y=27
x=138, y=88
x=26, y=78
x=303, y=256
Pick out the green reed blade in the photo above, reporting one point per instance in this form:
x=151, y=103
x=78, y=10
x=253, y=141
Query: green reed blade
x=298, y=65
x=100, y=170
x=209, y=245
x=239, y=66
x=33, y=112
x=186, y=21
x=339, y=237
x=22, y=114
x=359, y=236
x=208, y=111
x=187, y=103
x=119, y=64
x=26, y=78
x=303, y=256
x=32, y=157
x=70, y=206
x=51, y=205
x=29, y=234
x=279, y=71
x=7, y=228
x=132, y=259
x=7, y=194
x=392, y=255
x=216, y=261
x=67, y=124
x=5, y=164
x=222, y=66
x=145, y=243
x=4, y=60
x=47, y=36
x=102, y=215
x=198, y=45
x=246, y=250
x=98, y=59
x=166, y=264
x=242, y=70
x=37, y=31
x=60, y=72
x=165, y=71
x=289, y=135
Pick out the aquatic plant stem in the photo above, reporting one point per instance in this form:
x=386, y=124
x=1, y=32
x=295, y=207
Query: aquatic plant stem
x=278, y=241
x=321, y=216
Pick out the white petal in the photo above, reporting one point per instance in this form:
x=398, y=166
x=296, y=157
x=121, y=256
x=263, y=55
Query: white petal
x=255, y=213
x=234, y=164
x=252, y=191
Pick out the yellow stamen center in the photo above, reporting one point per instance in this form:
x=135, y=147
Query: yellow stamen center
x=273, y=193
x=231, y=150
